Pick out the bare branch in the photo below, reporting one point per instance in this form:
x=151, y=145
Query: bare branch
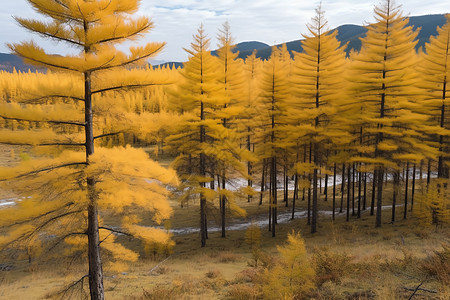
x=129, y=86
x=115, y=231
x=52, y=96
x=107, y=134
x=46, y=121
x=45, y=169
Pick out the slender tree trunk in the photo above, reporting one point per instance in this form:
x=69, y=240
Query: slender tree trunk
x=274, y=194
x=428, y=173
x=413, y=188
x=342, y=189
x=380, y=173
x=395, y=193
x=406, y=191
x=223, y=207
x=309, y=188
x=359, y=195
x=295, y=196
x=353, y=190
x=349, y=189
x=365, y=191
x=315, y=196
x=334, y=192
x=96, y=288
x=374, y=185
x=263, y=182
x=249, y=165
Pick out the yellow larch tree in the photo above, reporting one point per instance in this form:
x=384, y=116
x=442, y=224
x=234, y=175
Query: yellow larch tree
x=435, y=70
x=383, y=78
x=69, y=190
x=195, y=98
x=274, y=95
x=317, y=86
x=227, y=152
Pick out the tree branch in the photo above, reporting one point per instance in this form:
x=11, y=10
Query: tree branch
x=115, y=231
x=129, y=86
x=45, y=121
x=52, y=96
x=107, y=134
x=45, y=169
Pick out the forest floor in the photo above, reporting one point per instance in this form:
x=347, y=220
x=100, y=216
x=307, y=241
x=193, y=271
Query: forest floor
x=359, y=261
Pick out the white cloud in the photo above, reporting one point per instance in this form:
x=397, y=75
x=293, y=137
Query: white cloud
x=267, y=21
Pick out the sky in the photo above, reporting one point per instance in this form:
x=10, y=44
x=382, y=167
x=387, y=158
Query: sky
x=268, y=21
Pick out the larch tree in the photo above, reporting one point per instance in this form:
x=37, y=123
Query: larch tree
x=317, y=86
x=435, y=70
x=69, y=190
x=227, y=153
x=274, y=94
x=383, y=78
x=195, y=97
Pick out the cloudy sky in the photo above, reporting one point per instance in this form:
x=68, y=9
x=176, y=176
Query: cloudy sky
x=269, y=21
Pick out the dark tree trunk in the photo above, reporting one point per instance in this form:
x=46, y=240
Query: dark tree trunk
x=413, y=188
x=359, y=194
x=315, y=196
x=380, y=173
x=342, y=189
x=295, y=196
x=406, y=191
x=96, y=288
x=353, y=190
x=263, y=181
x=395, y=193
x=365, y=191
x=274, y=194
x=349, y=189
x=223, y=207
x=334, y=192
x=309, y=188
x=428, y=173
x=374, y=185
x=249, y=165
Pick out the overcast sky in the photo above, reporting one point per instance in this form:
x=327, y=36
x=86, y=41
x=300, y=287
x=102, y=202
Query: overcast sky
x=268, y=21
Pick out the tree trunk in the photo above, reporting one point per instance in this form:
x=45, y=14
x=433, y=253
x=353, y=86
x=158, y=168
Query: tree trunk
x=380, y=173
x=223, y=206
x=334, y=192
x=359, y=195
x=406, y=190
x=315, y=196
x=365, y=191
x=395, y=193
x=413, y=188
x=374, y=185
x=353, y=190
x=263, y=182
x=342, y=189
x=249, y=164
x=96, y=288
x=349, y=189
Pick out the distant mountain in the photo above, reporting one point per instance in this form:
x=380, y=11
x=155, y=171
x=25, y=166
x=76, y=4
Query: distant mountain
x=350, y=34
x=10, y=61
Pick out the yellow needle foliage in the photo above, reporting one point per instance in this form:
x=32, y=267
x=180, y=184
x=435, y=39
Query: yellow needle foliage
x=72, y=189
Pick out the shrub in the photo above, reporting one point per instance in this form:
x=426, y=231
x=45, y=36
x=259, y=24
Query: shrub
x=330, y=266
x=438, y=265
x=243, y=292
x=292, y=276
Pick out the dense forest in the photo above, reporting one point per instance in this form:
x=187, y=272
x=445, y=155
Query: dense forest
x=101, y=141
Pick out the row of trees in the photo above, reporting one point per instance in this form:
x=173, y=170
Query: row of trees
x=374, y=113
x=313, y=116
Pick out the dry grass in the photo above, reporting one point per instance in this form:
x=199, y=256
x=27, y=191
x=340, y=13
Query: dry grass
x=360, y=262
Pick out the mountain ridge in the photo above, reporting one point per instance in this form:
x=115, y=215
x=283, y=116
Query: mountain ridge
x=347, y=33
